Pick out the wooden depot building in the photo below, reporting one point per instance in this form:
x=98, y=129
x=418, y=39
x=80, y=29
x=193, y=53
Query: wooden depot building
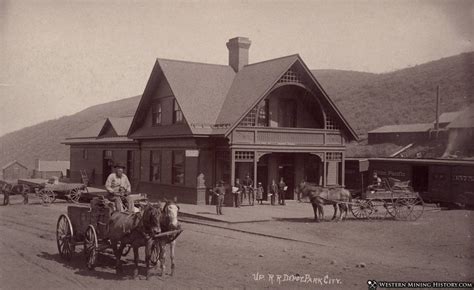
x=200, y=123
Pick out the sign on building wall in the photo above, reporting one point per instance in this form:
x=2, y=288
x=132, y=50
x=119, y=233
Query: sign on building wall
x=192, y=153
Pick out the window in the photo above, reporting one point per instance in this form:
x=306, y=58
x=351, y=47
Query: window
x=177, y=170
x=177, y=114
x=84, y=154
x=108, y=154
x=156, y=113
x=258, y=116
x=155, y=166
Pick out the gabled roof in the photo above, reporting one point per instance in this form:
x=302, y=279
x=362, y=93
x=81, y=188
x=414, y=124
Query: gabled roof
x=91, y=131
x=199, y=89
x=92, y=134
x=464, y=120
x=404, y=128
x=213, y=98
x=121, y=125
x=13, y=162
x=250, y=84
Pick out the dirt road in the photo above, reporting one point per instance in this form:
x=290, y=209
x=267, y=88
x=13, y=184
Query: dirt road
x=342, y=255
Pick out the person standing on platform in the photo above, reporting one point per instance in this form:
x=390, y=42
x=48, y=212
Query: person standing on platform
x=282, y=192
x=259, y=195
x=273, y=190
x=248, y=186
x=219, y=192
x=237, y=191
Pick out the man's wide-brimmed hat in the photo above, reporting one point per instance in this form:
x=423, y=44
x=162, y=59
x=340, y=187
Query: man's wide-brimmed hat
x=119, y=165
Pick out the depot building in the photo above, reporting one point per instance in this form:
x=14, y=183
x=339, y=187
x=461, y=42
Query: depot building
x=200, y=123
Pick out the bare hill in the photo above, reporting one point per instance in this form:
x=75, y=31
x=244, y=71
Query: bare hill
x=367, y=100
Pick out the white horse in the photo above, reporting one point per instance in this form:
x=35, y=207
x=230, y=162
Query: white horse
x=168, y=222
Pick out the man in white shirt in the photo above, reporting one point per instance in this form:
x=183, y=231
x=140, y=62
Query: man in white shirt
x=118, y=187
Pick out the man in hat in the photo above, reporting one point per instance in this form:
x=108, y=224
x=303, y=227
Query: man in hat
x=219, y=191
x=118, y=186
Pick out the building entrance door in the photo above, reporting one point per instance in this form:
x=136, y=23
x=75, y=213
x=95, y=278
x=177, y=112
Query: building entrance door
x=286, y=169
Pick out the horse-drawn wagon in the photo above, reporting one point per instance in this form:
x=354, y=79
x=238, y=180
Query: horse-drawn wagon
x=91, y=227
x=397, y=198
x=48, y=192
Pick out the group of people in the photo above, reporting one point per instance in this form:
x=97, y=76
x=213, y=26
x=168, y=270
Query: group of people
x=244, y=190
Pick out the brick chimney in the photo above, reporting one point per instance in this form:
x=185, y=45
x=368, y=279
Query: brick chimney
x=238, y=52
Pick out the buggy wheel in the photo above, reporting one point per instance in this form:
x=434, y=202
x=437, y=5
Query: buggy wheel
x=91, y=247
x=417, y=207
x=390, y=208
x=47, y=195
x=154, y=255
x=402, y=209
x=362, y=209
x=74, y=195
x=64, y=237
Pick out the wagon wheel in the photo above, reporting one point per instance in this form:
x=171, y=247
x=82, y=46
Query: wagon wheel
x=74, y=195
x=47, y=195
x=389, y=207
x=403, y=209
x=91, y=247
x=64, y=237
x=154, y=255
x=362, y=209
x=417, y=207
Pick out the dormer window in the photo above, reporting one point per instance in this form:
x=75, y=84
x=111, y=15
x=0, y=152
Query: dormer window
x=177, y=113
x=156, y=113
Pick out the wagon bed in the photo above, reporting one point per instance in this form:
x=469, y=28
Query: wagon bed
x=48, y=192
x=398, y=199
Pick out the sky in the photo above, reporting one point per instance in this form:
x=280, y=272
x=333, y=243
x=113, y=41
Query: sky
x=59, y=57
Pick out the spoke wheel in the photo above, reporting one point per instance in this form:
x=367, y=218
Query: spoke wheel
x=390, y=208
x=402, y=209
x=74, y=195
x=47, y=195
x=362, y=209
x=64, y=237
x=417, y=207
x=154, y=255
x=91, y=247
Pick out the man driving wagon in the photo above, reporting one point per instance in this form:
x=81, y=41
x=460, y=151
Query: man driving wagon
x=119, y=188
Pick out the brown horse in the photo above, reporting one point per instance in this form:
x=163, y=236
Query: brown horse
x=319, y=196
x=136, y=230
x=168, y=222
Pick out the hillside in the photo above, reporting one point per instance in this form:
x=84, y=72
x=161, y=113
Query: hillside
x=403, y=96
x=367, y=100
x=43, y=140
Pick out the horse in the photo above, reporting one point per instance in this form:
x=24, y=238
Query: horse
x=320, y=196
x=137, y=230
x=168, y=222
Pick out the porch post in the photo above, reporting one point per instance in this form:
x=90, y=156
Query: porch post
x=232, y=167
x=255, y=169
x=324, y=169
x=343, y=164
